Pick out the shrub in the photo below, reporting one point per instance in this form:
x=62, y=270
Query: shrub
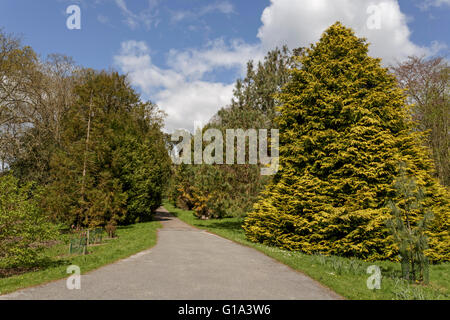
x=408, y=233
x=23, y=226
x=111, y=229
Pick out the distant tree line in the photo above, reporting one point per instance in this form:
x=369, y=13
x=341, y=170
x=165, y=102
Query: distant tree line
x=216, y=191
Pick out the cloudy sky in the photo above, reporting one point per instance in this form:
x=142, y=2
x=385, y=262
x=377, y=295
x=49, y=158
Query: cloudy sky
x=185, y=55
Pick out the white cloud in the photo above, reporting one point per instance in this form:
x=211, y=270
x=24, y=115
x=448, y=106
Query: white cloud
x=194, y=63
x=135, y=59
x=193, y=101
x=103, y=19
x=180, y=90
x=300, y=23
x=224, y=7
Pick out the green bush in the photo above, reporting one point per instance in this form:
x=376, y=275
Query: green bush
x=142, y=167
x=24, y=228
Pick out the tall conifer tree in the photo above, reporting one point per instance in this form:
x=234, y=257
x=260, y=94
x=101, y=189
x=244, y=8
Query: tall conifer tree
x=112, y=165
x=344, y=130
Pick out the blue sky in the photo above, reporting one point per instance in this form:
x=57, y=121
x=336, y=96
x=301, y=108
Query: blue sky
x=186, y=54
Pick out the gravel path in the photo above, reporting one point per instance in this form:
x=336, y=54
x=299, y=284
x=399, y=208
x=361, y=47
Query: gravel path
x=187, y=263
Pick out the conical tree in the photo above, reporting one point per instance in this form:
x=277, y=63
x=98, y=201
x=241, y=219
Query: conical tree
x=344, y=130
x=112, y=164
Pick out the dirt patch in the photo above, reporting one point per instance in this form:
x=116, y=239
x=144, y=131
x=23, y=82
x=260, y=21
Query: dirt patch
x=5, y=273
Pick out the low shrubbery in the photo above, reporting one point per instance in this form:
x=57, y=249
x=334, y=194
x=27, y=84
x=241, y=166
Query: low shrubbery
x=128, y=241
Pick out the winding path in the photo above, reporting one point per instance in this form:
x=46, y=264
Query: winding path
x=187, y=263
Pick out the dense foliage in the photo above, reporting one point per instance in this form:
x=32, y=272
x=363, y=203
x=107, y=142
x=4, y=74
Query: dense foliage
x=82, y=139
x=215, y=191
x=112, y=163
x=24, y=227
x=344, y=129
x=83, y=136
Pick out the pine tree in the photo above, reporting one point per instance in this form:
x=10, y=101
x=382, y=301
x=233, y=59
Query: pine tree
x=344, y=129
x=411, y=240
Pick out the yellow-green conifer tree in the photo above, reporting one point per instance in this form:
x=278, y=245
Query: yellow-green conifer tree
x=344, y=130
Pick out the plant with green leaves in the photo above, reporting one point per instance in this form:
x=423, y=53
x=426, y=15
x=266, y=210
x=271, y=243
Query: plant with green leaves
x=24, y=228
x=344, y=127
x=112, y=164
x=409, y=234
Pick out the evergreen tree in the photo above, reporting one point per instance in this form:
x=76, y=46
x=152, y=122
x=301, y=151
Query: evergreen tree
x=411, y=240
x=112, y=165
x=344, y=128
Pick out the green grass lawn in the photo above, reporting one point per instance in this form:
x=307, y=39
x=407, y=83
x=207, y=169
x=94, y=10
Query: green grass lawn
x=130, y=240
x=347, y=277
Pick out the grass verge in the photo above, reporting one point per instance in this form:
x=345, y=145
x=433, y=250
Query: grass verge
x=347, y=277
x=130, y=240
